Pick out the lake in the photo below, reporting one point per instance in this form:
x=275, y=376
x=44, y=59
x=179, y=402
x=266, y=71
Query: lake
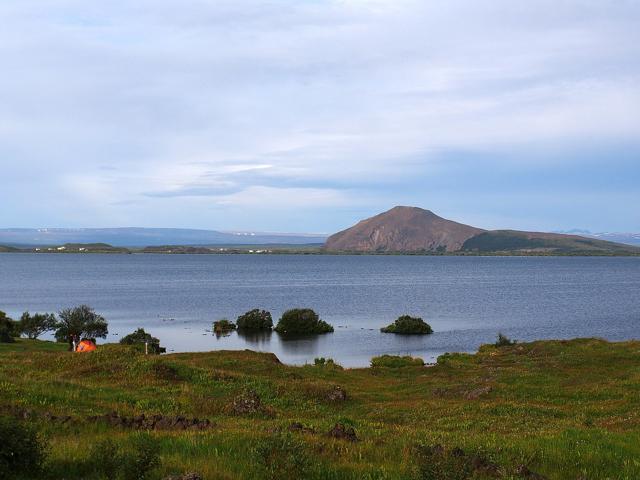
x=467, y=300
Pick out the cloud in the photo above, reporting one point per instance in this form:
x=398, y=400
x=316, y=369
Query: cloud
x=157, y=101
x=271, y=197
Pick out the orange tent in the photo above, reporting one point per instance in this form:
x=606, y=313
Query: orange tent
x=86, y=346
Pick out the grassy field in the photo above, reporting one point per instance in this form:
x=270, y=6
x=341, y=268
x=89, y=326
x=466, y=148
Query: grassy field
x=562, y=409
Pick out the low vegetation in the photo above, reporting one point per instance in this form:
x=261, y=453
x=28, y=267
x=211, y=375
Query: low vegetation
x=302, y=321
x=255, y=319
x=504, y=341
x=22, y=452
x=325, y=362
x=548, y=409
x=407, y=325
x=223, y=326
x=394, y=361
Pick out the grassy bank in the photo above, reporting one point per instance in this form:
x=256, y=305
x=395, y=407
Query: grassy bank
x=563, y=409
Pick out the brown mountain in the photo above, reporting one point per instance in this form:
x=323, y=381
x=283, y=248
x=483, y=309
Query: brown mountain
x=403, y=229
x=412, y=229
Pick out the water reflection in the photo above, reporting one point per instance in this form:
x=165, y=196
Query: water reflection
x=301, y=345
x=258, y=339
x=220, y=335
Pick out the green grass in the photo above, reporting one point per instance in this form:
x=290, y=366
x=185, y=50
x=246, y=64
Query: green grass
x=567, y=409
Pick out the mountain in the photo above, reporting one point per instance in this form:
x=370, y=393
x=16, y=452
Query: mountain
x=403, y=229
x=414, y=230
x=618, y=237
x=628, y=238
x=142, y=237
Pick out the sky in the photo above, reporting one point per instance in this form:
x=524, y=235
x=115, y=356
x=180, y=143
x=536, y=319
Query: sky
x=309, y=115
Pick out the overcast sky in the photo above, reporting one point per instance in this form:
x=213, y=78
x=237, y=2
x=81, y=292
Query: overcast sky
x=307, y=115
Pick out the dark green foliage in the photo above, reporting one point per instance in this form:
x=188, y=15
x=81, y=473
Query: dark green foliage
x=301, y=321
x=408, y=325
x=255, y=320
x=223, y=326
x=9, y=329
x=21, y=451
x=80, y=322
x=504, y=341
x=395, y=361
x=327, y=363
x=283, y=456
x=142, y=458
x=503, y=241
x=106, y=458
x=140, y=337
x=135, y=462
x=35, y=325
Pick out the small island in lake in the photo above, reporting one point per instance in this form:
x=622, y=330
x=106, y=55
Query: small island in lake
x=255, y=320
x=408, y=325
x=302, y=321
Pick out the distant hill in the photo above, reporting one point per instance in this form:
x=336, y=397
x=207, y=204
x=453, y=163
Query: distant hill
x=403, y=229
x=142, y=237
x=82, y=248
x=512, y=241
x=628, y=238
x=415, y=230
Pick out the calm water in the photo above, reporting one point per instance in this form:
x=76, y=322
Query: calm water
x=467, y=300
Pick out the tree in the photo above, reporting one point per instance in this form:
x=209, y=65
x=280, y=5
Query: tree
x=408, y=325
x=35, y=325
x=301, y=321
x=8, y=329
x=140, y=337
x=255, y=320
x=78, y=323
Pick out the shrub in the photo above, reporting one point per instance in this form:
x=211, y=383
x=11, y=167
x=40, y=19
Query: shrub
x=408, y=325
x=395, y=361
x=35, y=325
x=140, y=337
x=223, y=326
x=283, y=456
x=300, y=321
x=21, y=452
x=106, y=458
x=8, y=329
x=504, y=341
x=327, y=363
x=136, y=462
x=255, y=320
x=80, y=322
x=142, y=459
